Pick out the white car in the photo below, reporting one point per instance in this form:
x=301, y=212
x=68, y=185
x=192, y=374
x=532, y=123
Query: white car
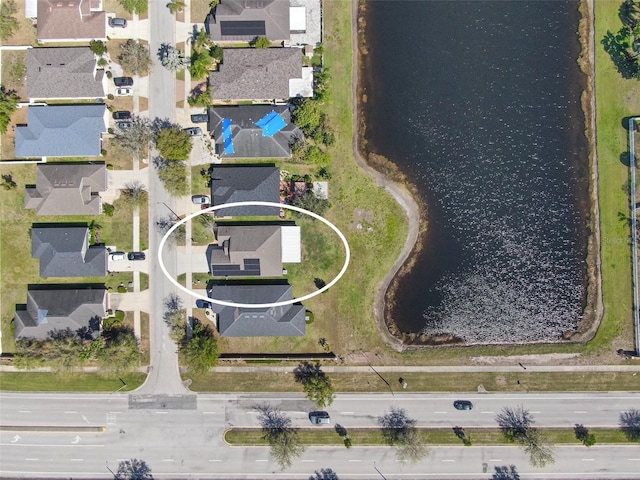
x=118, y=256
x=124, y=92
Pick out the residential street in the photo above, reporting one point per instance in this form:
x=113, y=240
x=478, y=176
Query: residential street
x=181, y=443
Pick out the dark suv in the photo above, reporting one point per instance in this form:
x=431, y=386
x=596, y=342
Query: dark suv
x=123, y=81
x=200, y=117
x=462, y=405
x=136, y=256
x=121, y=115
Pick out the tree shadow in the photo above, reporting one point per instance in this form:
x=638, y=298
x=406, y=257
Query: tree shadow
x=616, y=45
x=506, y=473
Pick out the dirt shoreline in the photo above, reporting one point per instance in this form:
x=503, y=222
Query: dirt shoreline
x=398, y=186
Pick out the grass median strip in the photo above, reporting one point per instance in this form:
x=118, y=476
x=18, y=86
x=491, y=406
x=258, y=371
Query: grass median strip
x=68, y=382
x=431, y=436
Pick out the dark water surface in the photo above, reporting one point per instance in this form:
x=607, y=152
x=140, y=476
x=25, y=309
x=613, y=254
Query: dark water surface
x=478, y=102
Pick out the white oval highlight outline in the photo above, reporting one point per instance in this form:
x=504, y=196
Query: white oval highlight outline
x=255, y=305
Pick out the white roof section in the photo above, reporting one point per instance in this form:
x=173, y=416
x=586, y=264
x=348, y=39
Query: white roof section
x=291, y=245
x=31, y=8
x=302, y=87
x=298, y=19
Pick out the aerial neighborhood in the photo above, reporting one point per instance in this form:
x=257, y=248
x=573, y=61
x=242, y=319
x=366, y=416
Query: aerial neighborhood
x=84, y=105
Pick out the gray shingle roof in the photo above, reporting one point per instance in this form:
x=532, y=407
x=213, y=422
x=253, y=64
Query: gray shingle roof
x=248, y=139
x=242, y=184
x=63, y=72
x=237, y=243
x=273, y=13
x=286, y=321
x=59, y=20
x=256, y=73
x=60, y=309
x=61, y=131
x=67, y=189
x=65, y=252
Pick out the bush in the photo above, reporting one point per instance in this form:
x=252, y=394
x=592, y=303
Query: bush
x=122, y=289
x=108, y=209
x=110, y=96
x=103, y=152
x=98, y=47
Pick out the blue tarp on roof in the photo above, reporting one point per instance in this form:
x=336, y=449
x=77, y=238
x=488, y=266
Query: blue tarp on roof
x=227, y=136
x=271, y=124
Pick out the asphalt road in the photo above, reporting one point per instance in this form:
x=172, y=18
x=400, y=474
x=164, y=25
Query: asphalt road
x=181, y=443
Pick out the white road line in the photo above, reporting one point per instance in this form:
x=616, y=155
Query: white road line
x=579, y=411
x=215, y=460
x=439, y=412
x=587, y=459
x=161, y=412
x=534, y=411
x=261, y=460
x=77, y=459
x=208, y=413
x=346, y=413
x=447, y=460
x=71, y=411
x=354, y=461
x=487, y=411
x=24, y=411
x=308, y=461
x=401, y=461
x=168, y=460
x=634, y=459
x=495, y=459
x=31, y=459
x=79, y=445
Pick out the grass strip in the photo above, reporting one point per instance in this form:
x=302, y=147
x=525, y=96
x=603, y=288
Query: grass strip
x=68, y=382
x=424, y=382
x=431, y=436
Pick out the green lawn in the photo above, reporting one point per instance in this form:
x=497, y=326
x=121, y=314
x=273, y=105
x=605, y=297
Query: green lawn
x=76, y=382
x=431, y=436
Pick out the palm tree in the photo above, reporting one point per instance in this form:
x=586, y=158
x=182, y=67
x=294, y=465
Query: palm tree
x=176, y=5
x=629, y=13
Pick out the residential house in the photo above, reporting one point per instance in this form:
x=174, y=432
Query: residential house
x=252, y=131
x=57, y=309
x=63, y=73
x=257, y=250
x=64, y=251
x=283, y=321
x=67, y=189
x=305, y=22
x=244, y=20
x=71, y=21
x=245, y=183
x=62, y=131
x=261, y=74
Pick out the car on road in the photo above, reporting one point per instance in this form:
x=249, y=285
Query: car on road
x=121, y=115
x=123, y=81
x=118, y=256
x=136, y=256
x=200, y=303
x=116, y=22
x=200, y=117
x=462, y=405
x=124, y=92
x=320, y=418
x=200, y=199
x=193, y=131
x=123, y=125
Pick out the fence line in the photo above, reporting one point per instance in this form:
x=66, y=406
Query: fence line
x=634, y=232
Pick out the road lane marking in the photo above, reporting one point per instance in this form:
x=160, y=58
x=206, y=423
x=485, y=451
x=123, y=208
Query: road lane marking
x=161, y=412
x=534, y=411
x=71, y=411
x=634, y=459
x=587, y=459
x=261, y=460
x=31, y=459
x=495, y=459
x=308, y=461
x=215, y=460
x=579, y=411
x=168, y=460
x=208, y=413
x=447, y=460
x=24, y=411
x=346, y=413
x=80, y=445
x=439, y=412
x=487, y=412
x=353, y=461
x=77, y=459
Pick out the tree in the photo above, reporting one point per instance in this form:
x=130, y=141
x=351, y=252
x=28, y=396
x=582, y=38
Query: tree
x=201, y=63
x=174, y=143
x=630, y=424
x=539, y=449
x=176, y=6
x=134, y=469
x=120, y=352
x=175, y=317
x=135, y=58
x=307, y=116
x=582, y=433
x=515, y=423
x=135, y=139
x=8, y=21
x=134, y=194
x=8, y=183
x=310, y=202
x=200, y=97
x=399, y=430
x=8, y=105
x=324, y=474
x=98, y=47
x=278, y=432
x=506, y=473
x=260, y=42
x=201, y=352
x=315, y=383
x=135, y=6
x=171, y=58
x=629, y=13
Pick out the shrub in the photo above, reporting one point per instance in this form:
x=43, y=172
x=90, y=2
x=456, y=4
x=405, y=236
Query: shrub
x=108, y=209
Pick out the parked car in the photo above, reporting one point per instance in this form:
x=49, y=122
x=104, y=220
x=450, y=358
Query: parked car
x=462, y=405
x=121, y=115
x=200, y=199
x=123, y=125
x=193, y=131
x=116, y=22
x=123, y=81
x=117, y=256
x=200, y=303
x=124, y=92
x=200, y=118
x=136, y=256
x=320, y=418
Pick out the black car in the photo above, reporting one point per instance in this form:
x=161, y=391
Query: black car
x=462, y=405
x=123, y=81
x=320, y=418
x=136, y=256
x=200, y=118
x=121, y=115
x=203, y=303
x=123, y=125
x=118, y=22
